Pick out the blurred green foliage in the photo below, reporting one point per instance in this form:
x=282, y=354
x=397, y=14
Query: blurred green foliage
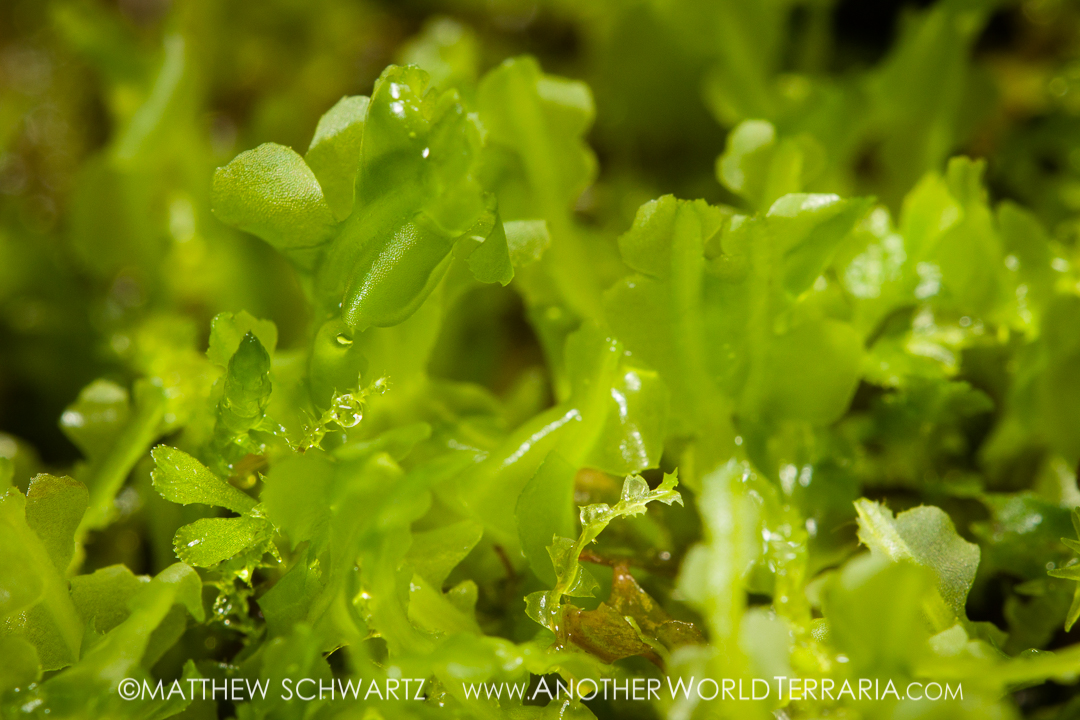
x=348, y=306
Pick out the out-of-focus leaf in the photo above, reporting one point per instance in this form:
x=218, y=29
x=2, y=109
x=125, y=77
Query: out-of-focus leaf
x=291, y=600
x=527, y=239
x=762, y=169
x=106, y=473
x=298, y=497
x=447, y=50
x=102, y=596
x=541, y=119
x=19, y=664
x=876, y=612
x=34, y=599
x=434, y=553
x=660, y=314
x=712, y=573
x=1069, y=572
x=96, y=418
x=90, y=686
x=227, y=332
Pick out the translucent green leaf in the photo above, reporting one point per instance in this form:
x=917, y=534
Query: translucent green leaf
x=542, y=118
x=624, y=406
x=763, y=324
x=101, y=597
x=209, y=541
x=298, y=497
x=334, y=153
x=817, y=393
x=916, y=90
x=434, y=553
x=1057, y=384
x=632, y=436
x=271, y=192
x=571, y=578
x=180, y=478
x=90, y=686
x=106, y=473
x=818, y=224
x=19, y=664
x=54, y=509
x=669, y=237
x=227, y=331
x=432, y=610
x=292, y=599
x=1024, y=237
x=924, y=535
x=537, y=163
x=660, y=315
x=337, y=362
x=398, y=442
x=489, y=488
x=1073, y=545
x=418, y=197
x=876, y=613
x=711, y=574
x=20, y=585
x=34, y=599
x=447, y=50
x=545, y=509
x=1074, y=611
x=491, y=262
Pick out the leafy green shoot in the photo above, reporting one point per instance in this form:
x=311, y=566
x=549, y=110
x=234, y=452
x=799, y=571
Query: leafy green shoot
x=572, y=580
x=346, y=411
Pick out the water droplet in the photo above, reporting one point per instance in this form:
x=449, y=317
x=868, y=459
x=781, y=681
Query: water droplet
x=426, y=152
x=348, y=411
x=343, y=340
